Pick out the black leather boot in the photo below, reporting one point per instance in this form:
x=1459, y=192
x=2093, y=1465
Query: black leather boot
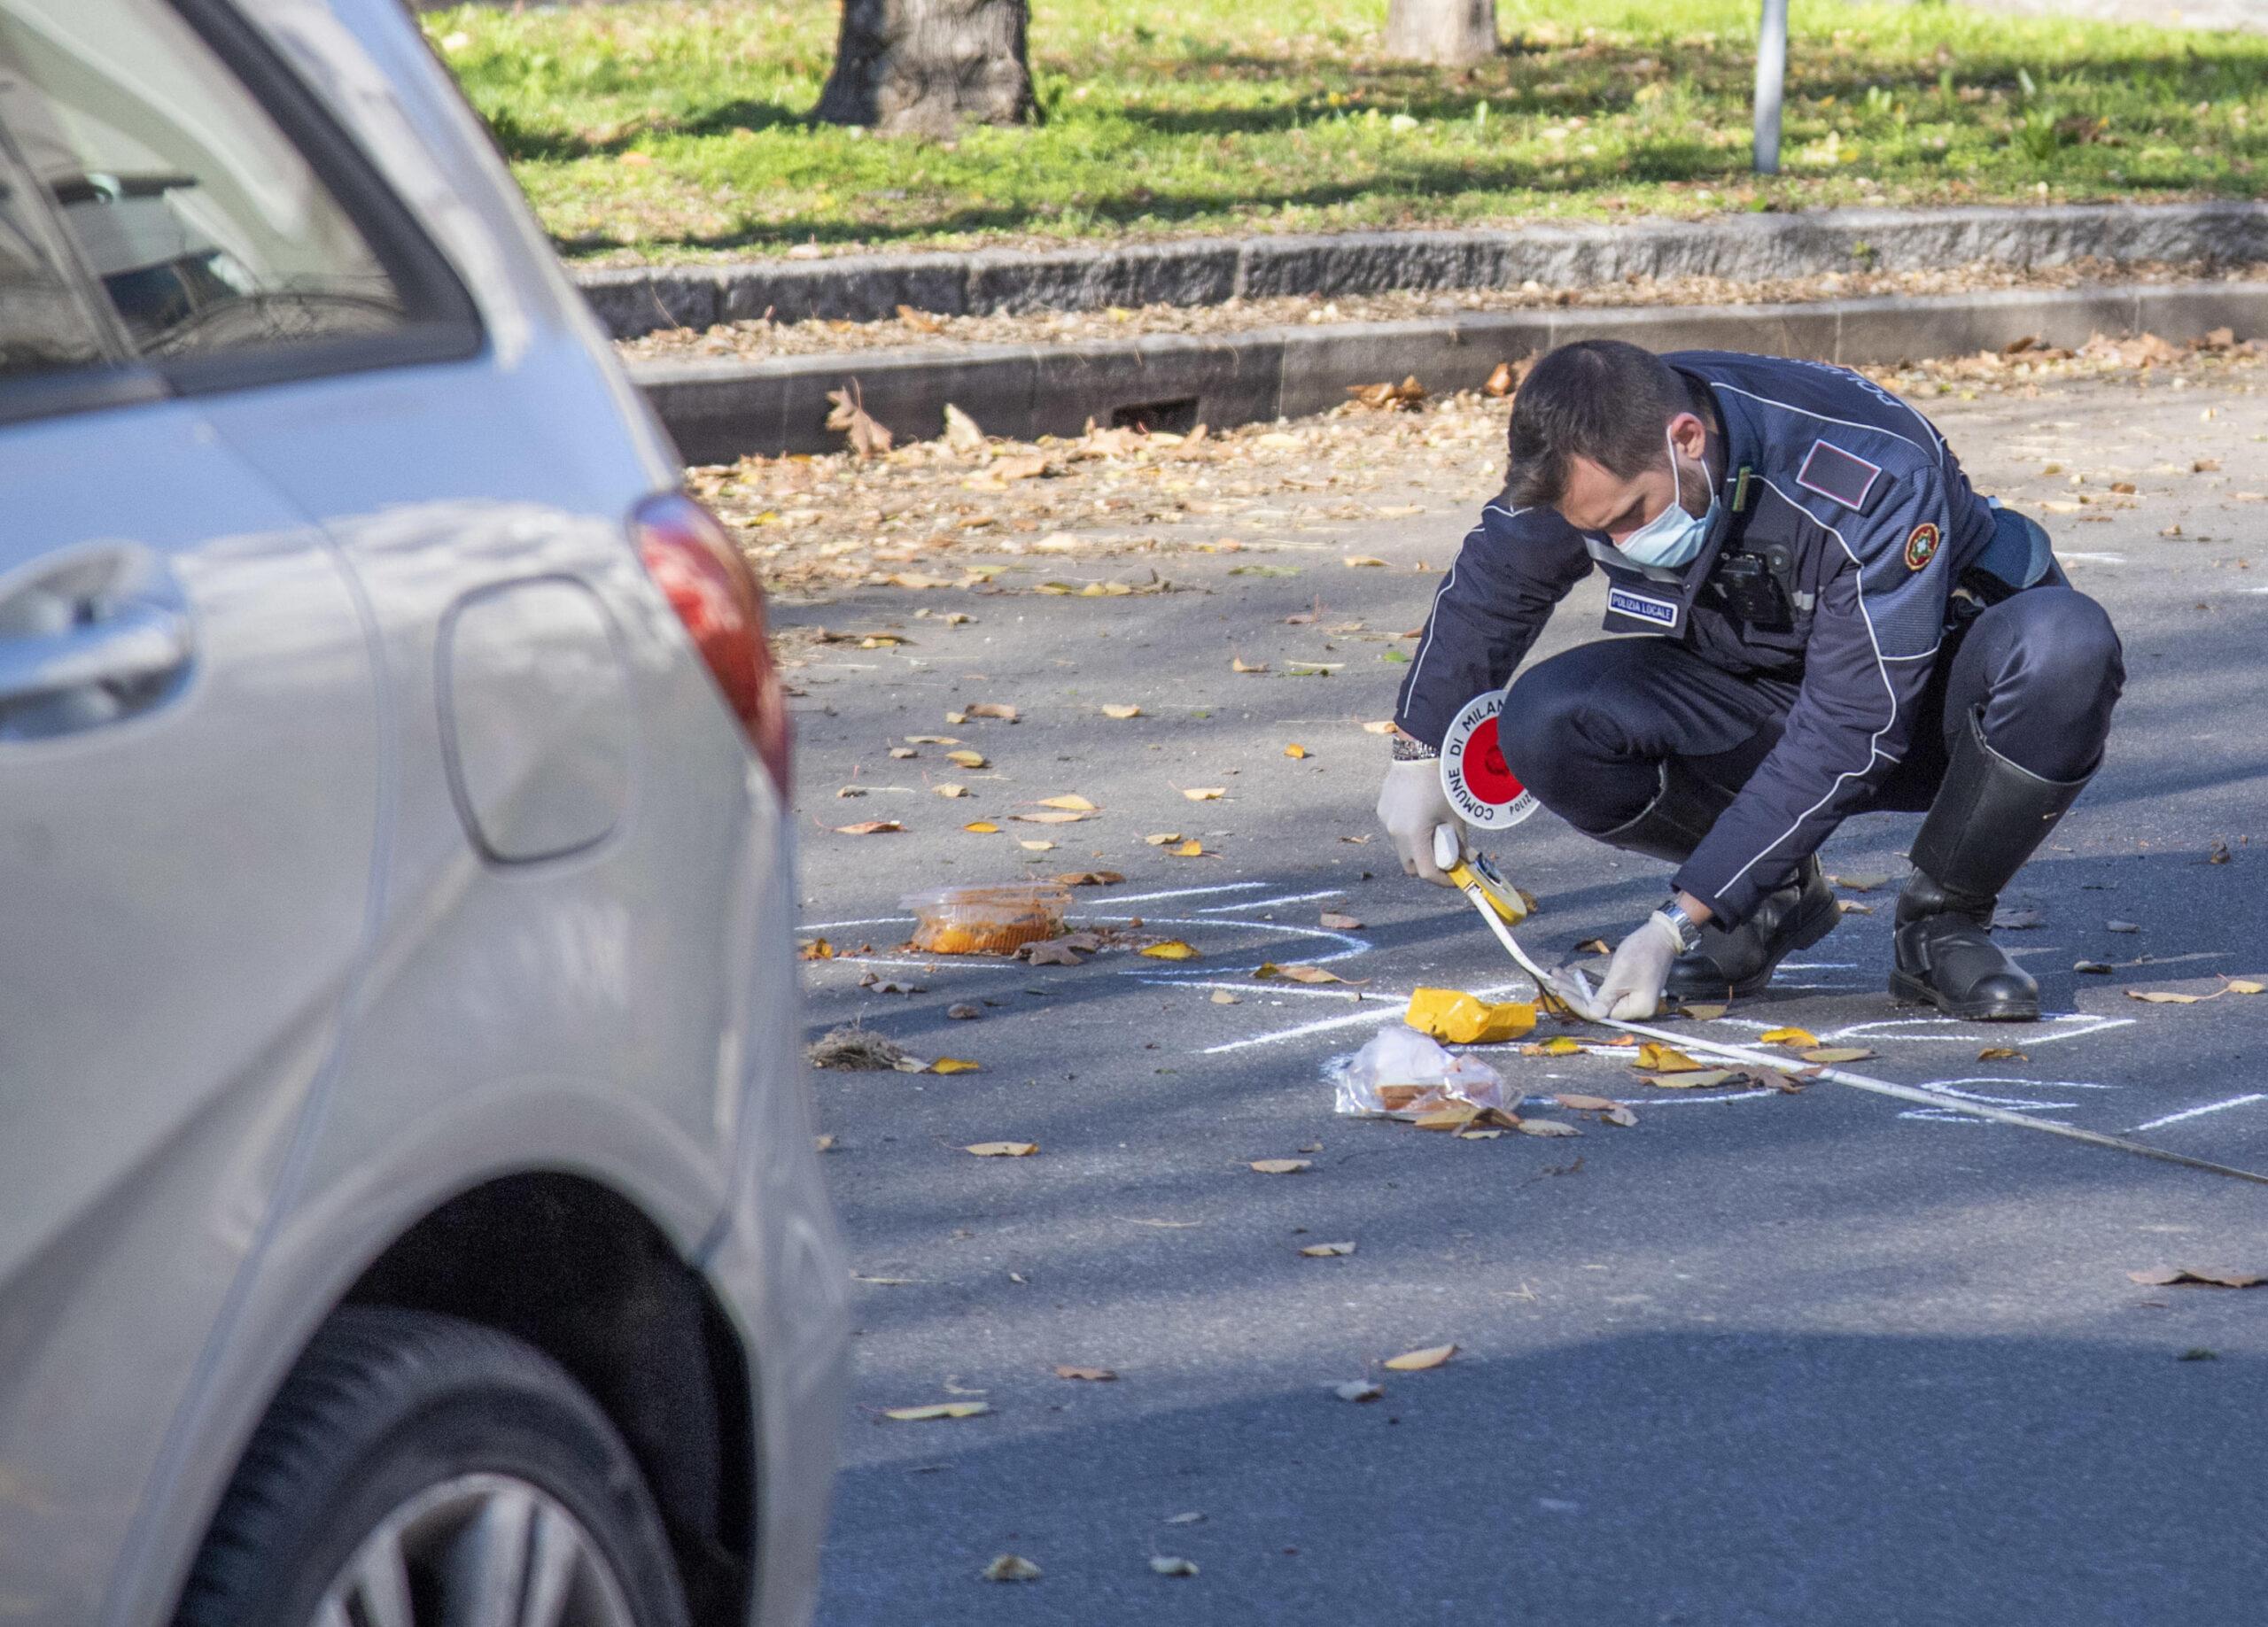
x=1990, y=817
x=1730, y=961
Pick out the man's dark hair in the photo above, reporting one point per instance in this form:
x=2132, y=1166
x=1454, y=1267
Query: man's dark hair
x=1597, y=398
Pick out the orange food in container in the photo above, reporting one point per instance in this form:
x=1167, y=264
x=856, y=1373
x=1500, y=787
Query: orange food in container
x=986, y=921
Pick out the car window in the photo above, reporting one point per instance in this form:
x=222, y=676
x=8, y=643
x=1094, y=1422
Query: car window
x=206, y=228
x=44, y=324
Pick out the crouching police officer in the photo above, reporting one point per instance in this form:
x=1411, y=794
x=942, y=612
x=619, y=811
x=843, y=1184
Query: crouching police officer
x=1839, y=625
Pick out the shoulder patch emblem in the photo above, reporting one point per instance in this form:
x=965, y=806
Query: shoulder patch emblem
x=1922, y=545
x=1838, y=475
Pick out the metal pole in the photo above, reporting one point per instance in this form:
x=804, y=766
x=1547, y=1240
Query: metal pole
x=1771, y=75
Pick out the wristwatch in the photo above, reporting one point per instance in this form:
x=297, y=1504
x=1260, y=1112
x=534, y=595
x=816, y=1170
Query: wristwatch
x=1689, y=933
x=1407, y=749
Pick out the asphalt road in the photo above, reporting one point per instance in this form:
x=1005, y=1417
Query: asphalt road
x=1757, y=1359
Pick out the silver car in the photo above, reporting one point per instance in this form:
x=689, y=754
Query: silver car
x=409, y=1208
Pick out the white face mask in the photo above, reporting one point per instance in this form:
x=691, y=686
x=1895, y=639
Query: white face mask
x=1671, y=537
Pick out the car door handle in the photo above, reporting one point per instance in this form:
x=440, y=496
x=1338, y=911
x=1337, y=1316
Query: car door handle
x=133, y=644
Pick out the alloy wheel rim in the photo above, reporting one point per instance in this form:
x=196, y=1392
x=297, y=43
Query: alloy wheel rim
x=480, y=1550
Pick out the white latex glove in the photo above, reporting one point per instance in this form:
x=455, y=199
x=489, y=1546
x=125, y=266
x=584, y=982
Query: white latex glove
x=1411, y=805
x=1632, y=991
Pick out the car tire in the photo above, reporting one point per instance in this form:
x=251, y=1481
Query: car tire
x=415, y=1468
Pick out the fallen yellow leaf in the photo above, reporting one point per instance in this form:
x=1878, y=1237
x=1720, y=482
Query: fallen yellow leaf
x=1706, y=1078
x=1795, y=1039
x=2156, y=997
x=1558, y=1045
x=1121, y=712
x=818, y=948
x=1240, y=664
x=1279, y=1166
x=1174, y=950
x=1073, y=803
x=983, y=827
x=1464, y=1019
x=968, y=758
x=1834, y=1054
x=870, y=827
x=1419, y=1361
x=1206, y=794
x=1003, y=1149
x=1191, y=849
x=1295, y=751
x=953, y=1065
x=1317, y=974
x=950, y=790
x=1663, y=1059
x=2245, y=986
x=941, y=1409
x=1356, y=561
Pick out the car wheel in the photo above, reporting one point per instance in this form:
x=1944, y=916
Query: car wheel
x=417, y=1469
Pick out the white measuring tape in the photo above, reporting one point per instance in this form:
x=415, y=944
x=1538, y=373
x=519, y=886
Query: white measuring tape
x=1474, y=889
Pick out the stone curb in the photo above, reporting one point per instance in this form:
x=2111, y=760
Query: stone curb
x=720, y=411
x=1208, y=271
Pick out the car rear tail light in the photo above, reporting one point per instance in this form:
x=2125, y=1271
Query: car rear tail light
x=694, y=562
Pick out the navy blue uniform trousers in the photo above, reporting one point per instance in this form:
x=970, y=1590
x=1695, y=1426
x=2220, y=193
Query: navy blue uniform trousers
x=1587, y=731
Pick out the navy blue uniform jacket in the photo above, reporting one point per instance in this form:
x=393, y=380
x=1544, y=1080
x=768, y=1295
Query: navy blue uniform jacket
x=1871, y=522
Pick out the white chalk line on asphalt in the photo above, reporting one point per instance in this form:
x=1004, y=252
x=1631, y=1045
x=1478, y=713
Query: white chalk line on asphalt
x=2199, y=1112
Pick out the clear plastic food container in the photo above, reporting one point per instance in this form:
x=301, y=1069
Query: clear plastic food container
x=986, y=921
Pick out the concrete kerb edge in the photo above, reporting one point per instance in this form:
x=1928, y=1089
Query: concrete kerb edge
x=720, y=410
x=1208, y=271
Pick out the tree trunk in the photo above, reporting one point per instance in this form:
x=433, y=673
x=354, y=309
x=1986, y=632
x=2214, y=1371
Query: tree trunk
x=925, y=68
x=1453, y=33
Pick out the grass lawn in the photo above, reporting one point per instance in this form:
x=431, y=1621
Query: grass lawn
x=674, y=129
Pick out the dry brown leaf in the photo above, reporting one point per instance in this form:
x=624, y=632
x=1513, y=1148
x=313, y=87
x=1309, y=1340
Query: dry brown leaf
x=1337, y=922
x=991, y=708
x=1052, y=955
x=1546, y=1127
x=817, y=949
x=968, y=758
x=949, y=790
x=1705, y=1014
x=1420, y=1360
x=962, y=433
x=1073, y=803
x=1222, y=997
x=1088, y=878
x=1094, y=1376
x=1238, y=664
x=940, y=1409
x=1356, y=562
x=902, y=752
x=1327, y=1250
x=1172, y=950
x=2001, y=1053
x=1317, y=975
x=870, y=827
x=1205, y=793
x=963, y=1012
x=1621, y=1115
x=2168, y=1276
x=1010, y=1567
x=1584, y=1104
x=1163, y=839
x=868, y=437
x=1832, y=1056
x=1003, y=1149
x=1387, y=397
x=1121, y=712
x=1383, y=725
x=933, y=739
x=2156, y=997
x=822, y=1144
x=1053, y=815
x=1279, y=1166
x=1707, y=1079
x=1593, y=945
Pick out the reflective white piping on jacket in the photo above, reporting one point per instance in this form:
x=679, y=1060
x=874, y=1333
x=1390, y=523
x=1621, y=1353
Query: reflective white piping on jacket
x=1874, y=747
x=1871, y=429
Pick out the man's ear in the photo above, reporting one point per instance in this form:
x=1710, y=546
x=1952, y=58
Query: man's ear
x=1690, y=435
